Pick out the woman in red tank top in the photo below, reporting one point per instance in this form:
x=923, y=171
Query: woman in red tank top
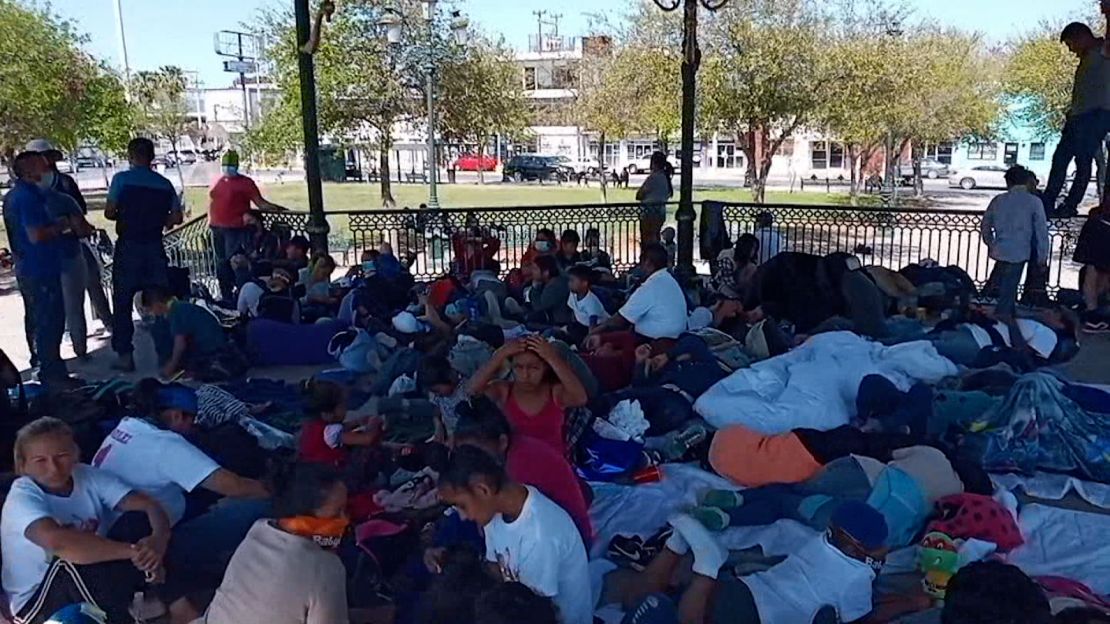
x=542, y=388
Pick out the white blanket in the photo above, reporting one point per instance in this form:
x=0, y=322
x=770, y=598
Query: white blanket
x=815, y=385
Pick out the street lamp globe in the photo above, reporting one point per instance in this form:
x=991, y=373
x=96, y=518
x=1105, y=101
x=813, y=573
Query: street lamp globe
x=460, y=27
x=391, y=23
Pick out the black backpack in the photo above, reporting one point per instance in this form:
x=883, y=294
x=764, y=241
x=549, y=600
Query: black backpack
x=281, y=307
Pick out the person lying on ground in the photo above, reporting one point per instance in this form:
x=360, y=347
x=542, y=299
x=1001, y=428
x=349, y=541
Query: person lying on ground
x=808, y=290
x=286, y=570
x=328, y=437
x=151, y=454
x=903, y=490
x=1052, y=337
x=657, y=309
x=514, y=516
x=53, y=527
x=827, y=580
x=542, y=388
x=526, y=460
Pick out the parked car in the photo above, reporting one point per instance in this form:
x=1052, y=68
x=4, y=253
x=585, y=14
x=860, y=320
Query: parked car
x=643, y=165
x=472, y=162
x=982, y=176
x=535, y=167
x=185, y=157
x=589, y=166
x=64, y=166
x=167, y=161
x=93, y=162
x=930, y=168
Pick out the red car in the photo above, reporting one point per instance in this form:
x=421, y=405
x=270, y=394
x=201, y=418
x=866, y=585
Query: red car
x=471, y=162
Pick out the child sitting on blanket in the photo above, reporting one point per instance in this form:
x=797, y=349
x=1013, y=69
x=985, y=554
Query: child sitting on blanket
x=327, y=438
x=828, y=579
x=445, y=391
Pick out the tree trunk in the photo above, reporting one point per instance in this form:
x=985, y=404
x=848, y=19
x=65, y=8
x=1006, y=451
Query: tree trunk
x=386, y=183
x=918, y=183
x=601, y=169
x=180, y=175
x=853, y=165
x=481, y=165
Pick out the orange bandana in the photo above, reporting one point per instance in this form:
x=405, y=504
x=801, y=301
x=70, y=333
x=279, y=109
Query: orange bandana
x=326, y=532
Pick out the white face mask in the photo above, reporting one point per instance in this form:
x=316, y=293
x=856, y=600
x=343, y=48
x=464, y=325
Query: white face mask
x=230, y=171
x=47, y=180
x=543, y=246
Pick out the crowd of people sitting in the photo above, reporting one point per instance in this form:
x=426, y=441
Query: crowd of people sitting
x=450, y=470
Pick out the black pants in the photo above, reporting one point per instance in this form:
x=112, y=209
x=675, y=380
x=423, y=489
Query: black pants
x=109, y=586
x=826, y=446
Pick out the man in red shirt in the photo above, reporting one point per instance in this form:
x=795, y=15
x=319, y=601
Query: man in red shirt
x=230, y=200
x=526, y=460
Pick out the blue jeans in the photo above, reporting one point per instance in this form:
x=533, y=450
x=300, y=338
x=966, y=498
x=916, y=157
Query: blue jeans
x=1007, y=277
x=1079, y=140
x=957, y=345
x=49, y=325
x=226, y=242
x=212, y=537
x=135, y=266
x=811, y=502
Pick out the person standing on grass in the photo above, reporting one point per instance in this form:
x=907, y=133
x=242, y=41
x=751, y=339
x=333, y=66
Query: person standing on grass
x=653, y=196
x=143, y=204
x=230, y=202
x=1014, y=228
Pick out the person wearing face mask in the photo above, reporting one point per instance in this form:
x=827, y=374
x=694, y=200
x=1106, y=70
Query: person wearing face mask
x=36, y=240
x=62, y=206
x=287, y=569
x=230, y=202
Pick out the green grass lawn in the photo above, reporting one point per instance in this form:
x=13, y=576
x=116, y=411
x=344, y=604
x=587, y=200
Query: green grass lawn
x=361, y=197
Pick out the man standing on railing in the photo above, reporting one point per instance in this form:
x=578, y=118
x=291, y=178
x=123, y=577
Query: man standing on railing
x=230, y=201
x=143, y=204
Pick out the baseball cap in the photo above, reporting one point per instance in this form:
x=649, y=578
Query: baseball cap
x=42, y=146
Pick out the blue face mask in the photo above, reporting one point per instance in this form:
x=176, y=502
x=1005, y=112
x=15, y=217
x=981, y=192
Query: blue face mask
x=368, y=266
x=230, y=171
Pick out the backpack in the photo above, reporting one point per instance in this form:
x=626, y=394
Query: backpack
x=728, y=351
x=280, y=307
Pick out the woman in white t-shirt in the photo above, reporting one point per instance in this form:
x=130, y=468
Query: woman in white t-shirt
x=53, y=527
x=152, y=455
x=653, y=196
x=529, y=538
x=1042, y=336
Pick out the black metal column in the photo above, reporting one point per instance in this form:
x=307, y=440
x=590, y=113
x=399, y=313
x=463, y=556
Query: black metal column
x=317, y=222
x=691, y=60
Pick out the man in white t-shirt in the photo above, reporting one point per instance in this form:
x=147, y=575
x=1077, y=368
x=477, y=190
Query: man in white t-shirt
x=529, y=539
x=158, y=460
x=657, y=309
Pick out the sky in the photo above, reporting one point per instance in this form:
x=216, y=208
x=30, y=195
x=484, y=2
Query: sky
x=181, y=32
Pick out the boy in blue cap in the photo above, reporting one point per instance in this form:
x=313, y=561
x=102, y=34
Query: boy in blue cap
x=827, y=580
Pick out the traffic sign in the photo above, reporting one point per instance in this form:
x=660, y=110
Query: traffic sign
x=241, y=67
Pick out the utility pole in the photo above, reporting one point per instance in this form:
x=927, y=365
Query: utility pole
x=123, y=49
x=433, y=169
x=539, y=29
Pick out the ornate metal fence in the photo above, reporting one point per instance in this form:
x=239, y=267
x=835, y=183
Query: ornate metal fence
x=887, y=237
x=893, y=238
x=426, y=235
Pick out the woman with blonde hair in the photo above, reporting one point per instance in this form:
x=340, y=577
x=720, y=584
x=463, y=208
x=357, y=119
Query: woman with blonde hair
x=53, y=527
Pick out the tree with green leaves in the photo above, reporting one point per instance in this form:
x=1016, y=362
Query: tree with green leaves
x=765, y=74
x=481, y=96
x=602, y=106
x=161, y=109
x=51, y=88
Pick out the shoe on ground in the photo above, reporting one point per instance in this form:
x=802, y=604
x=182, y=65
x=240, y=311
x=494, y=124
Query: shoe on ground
x=630, y=551
x=125, y=363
